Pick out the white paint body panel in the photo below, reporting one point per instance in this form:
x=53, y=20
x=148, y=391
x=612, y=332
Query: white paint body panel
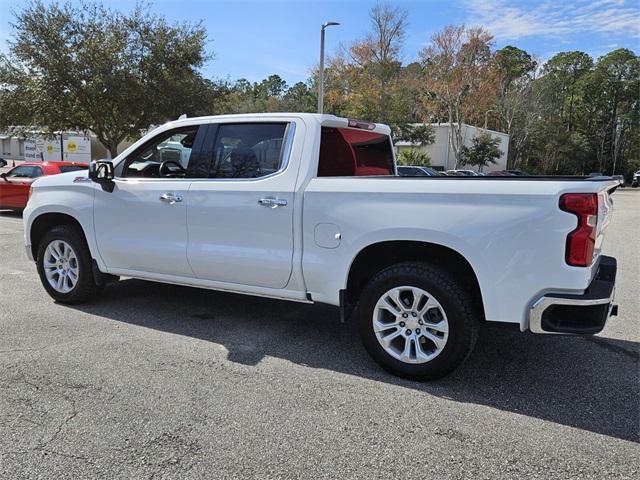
x=61, y=195
x=234, y=239
x=511, y=232
x=135, y=230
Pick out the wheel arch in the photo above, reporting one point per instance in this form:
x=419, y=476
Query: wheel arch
x=377, y=256
x=45, y=222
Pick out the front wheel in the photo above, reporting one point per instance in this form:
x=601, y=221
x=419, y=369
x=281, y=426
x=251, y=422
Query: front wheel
x=64, y=265
x=417, y=321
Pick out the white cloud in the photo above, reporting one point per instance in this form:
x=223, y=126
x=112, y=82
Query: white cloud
x=509, y=21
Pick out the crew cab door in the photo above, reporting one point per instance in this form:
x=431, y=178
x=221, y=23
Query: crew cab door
x=141, y=225
x=240, y=217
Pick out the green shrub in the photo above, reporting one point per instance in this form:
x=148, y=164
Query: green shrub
x=411, y=156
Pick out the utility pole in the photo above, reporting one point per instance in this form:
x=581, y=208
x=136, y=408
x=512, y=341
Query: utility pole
x=321, y=73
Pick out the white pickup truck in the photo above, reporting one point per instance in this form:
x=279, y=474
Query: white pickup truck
x=308, y=208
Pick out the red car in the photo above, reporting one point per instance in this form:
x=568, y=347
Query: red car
x=14, y=184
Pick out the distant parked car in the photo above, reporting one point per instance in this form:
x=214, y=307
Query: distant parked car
x=15, y=184
x=508, y=173
x=3, y=162
x=415, y=171
x=636, y=179
x=596, y=174
x=462, y=173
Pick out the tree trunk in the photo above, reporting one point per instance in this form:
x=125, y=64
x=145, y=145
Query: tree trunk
x=113, y=151
x=112, y=148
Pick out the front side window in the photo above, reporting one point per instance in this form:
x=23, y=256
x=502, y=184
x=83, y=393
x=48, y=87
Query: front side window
x=247, y=150
x=25, y=171
x=166, y=156
x=348, y=152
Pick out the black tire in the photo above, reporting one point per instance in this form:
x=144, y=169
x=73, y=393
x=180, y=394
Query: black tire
x=457, y=302
x=85, y=288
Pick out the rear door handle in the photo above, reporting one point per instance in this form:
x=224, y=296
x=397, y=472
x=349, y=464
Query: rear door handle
x=272, y=202
x=170, y=198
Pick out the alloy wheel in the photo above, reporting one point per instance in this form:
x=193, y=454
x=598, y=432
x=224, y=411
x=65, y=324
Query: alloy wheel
x=410, y=324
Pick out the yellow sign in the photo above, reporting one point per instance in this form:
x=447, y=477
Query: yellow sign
x=49, y=149
x=71, y=146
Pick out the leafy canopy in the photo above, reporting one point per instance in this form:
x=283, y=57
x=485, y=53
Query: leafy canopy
x=93, y=68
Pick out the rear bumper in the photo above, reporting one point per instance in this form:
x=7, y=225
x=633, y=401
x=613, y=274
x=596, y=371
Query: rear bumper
x=578, y=314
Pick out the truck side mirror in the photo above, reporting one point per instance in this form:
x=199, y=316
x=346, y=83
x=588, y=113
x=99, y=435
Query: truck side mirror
x=101, y=172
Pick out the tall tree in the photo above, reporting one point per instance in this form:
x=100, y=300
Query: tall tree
x=88, y=67
x=610, y=93
x=513, y=65
x=562, y=77
x=367, y=78
x=378, y=54
x=517, y=105
x=299, y=98
x=460, y=78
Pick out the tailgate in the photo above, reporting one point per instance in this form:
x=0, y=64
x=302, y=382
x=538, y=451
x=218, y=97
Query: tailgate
x=605, y=211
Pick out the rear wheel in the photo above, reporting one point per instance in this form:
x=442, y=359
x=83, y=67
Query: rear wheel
x=64, y=265
x=417, y=321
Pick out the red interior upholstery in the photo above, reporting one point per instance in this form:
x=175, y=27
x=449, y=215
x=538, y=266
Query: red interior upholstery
x=350, y=152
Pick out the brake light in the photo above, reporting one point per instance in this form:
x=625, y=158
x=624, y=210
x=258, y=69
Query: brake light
x=361, y=124
x=581, y=241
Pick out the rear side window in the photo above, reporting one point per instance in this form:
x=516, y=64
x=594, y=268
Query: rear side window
x=71, y=168
x=347, y=152
x=247, y=150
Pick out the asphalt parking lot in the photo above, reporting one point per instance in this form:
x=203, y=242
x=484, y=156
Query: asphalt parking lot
x=159, y=381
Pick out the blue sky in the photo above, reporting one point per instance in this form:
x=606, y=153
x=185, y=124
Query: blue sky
x=253, y=39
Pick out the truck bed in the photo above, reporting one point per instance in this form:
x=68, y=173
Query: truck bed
x=516, y=178
x=507, y=228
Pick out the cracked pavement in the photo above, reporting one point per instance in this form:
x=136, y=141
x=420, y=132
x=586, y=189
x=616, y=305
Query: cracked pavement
x=158, y=381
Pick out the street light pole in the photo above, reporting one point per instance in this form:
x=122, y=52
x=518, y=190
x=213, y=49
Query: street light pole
x=486, y=114
x=321, y=73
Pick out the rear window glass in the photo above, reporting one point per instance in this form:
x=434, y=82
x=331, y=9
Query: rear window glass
x=71, y=168
x=347, y=152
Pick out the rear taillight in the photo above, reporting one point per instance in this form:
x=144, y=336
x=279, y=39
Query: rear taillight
x=582, y=240
x=30, y=192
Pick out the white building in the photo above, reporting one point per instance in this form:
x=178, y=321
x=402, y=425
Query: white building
x=441, y=153
x=12, y=145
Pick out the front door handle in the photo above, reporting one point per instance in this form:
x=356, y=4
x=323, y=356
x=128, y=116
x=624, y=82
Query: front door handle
x=170, y=198
x=272, y=202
